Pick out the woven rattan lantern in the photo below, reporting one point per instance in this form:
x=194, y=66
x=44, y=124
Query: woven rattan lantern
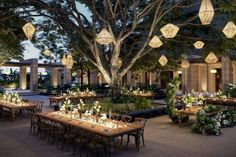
x=229, y=29
x=155, y=42
x=47, y=52
x=104, y=37
x=68, y=61
x=29, y=30
x=198, y=44
x=169, y=30
x=211, y=58
x=206, y=12
x=185, y=64
x=163, y=60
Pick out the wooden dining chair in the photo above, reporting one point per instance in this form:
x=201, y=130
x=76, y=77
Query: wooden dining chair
x=141, y=122
x=126, y=119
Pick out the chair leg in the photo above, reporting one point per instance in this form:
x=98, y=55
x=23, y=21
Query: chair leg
x=121, y=140
x=143, y=140
x=128, y=140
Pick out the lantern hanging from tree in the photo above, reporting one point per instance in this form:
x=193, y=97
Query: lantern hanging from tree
x=206, y=12
x=198, y=44
x=169, y=30
x=104, y=37
x=68, y=61
x=185, y=64
x=163, y=60
x=229, y=29
x=47, y=52
x=155, y=42
x=29, y=30
x=211, y=58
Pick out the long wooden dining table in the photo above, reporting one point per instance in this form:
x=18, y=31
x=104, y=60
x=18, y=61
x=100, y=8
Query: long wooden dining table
x=116, y=129
x=14, y=107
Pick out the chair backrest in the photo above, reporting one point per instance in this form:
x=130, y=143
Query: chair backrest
x=141, y=122
x=115, y=116
x=40, y=106
x=126, y=118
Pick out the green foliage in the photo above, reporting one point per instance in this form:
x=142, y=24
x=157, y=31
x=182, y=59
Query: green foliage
x=211, y=108
x=141, y=103
x=171, y=91
x=228, y=118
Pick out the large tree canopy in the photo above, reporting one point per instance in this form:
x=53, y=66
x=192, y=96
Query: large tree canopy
x=131, y=23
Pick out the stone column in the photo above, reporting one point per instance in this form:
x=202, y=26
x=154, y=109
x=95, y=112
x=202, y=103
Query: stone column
x=210, y=78
x=67, y=76
x=54, y=77
x=34, y=75
x=23, y=78
x=227, y=71
x=184, y=81
x=234, y=72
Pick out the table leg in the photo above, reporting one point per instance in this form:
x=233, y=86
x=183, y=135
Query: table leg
x=13, y=114
x=109, y=146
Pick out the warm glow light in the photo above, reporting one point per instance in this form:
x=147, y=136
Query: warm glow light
x=163, y=60
x=185, y=64
x=155, y=42
x=213, y=71
x=211, y=58
x=47, y=52
x=179, y=72
x=229, y=29
x=119, y=62
x=104, y=37
x=29, y=30
x=206, y=12
x=198, y=44
x=68, y=61
x=169, y=30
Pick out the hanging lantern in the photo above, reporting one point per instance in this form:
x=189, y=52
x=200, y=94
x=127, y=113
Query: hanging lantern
x=70, y=61
x=104, y=37
x=163, y=60
x=198, y=44
x=29, y=30
x=155, y=42
x=211, y=58
x=64, y=60
x=169, y=30
x=47, y=52
x=185, y=64
x=206, y=12
x=230, y=29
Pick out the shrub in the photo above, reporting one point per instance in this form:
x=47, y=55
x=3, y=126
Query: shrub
x=141, y=103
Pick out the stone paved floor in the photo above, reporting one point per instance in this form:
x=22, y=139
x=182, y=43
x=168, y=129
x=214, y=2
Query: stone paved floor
x=162, y=140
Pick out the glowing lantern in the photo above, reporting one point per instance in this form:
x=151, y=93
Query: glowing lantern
x=169, y=30
x=104, y=37
x=155, y=42
x=29, y=30
x=185, y=64
x=163, y=60
x=47, y=52
x=68, y=61
x=198, y=44
x=206, y=12
x=230, y=29
x=211, y=58
x=213, y=71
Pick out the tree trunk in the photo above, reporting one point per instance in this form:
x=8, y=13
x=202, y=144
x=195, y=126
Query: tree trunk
x=81, y=77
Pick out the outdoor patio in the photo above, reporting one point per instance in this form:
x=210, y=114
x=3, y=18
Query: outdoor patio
x=161, y=138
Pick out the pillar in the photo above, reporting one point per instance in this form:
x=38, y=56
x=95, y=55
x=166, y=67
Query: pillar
x=185, y=80
x=227, y=71
x=54, y=77
x=34, y=75
x=23, y=78
x=67, y=76
x=210, y=78
x=234, y=72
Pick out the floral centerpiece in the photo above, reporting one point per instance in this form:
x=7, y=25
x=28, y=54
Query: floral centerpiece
x=135, y=92
x=200, y=99
x=188, y=100
x=81, y=106
x=103, y=117
x=12, y=97
x=65, y=106
x=97, y=108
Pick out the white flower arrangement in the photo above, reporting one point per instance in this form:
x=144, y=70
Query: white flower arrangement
x=188, y=100
x=12, y=97
x=104, y=116
x=66, y=105
x=135, y=92
x=97, y=107
x=81, y=105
